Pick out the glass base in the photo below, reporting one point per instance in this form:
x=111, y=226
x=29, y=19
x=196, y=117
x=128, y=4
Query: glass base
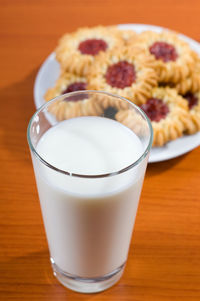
x=87, y=285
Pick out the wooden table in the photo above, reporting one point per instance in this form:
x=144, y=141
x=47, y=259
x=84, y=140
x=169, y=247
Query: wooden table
x=164, y=257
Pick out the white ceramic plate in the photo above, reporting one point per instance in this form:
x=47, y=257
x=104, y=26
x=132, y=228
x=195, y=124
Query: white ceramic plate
x=49, y=72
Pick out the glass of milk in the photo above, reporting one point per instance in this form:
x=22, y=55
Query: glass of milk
x=89, y=171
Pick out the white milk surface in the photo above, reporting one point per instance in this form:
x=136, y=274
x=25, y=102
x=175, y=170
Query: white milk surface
x=89, y=221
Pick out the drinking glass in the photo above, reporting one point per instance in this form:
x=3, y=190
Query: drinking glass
x=89, y=215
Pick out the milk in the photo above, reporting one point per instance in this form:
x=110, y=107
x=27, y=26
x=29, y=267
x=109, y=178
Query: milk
x=89, y=221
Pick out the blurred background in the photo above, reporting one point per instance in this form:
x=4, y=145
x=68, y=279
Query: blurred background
x=37, y=25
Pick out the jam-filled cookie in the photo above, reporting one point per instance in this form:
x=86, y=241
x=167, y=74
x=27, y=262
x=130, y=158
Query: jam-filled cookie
x=125, y=115
x=76, y=105
x=173, y=57
x=111, y=111
x=193, y=123
x=192, y=82
x=67, y=82
x=125, y=72
x=76, y=52
x=132, y=120
x=168, y=113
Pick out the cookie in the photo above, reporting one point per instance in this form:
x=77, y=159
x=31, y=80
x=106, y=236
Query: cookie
x=124, y=113
x=192, y=82
x=173, y=57
x=192, y=124
x=76, y=52
x=133, y=120
x=67, y=82
x=168, y=113
x=76, y=105
x=125, y=72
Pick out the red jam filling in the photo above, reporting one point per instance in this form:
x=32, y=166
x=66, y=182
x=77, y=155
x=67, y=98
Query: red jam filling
x=155, y=109
x=75, y=87
x=163, y=51
x=78, y=86
x=121, y=75
x=92, y=46
x=192, y=100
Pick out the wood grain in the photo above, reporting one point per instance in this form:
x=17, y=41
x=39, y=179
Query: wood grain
x=164, y=257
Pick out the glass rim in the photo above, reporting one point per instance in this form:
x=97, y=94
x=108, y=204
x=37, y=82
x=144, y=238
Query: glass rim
x=130, y=166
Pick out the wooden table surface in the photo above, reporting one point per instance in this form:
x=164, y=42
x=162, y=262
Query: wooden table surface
x=164, y=257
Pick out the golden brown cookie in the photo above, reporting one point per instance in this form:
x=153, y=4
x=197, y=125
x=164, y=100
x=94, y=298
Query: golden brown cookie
x=173, y=56
x=112, y=109
x=132, y=120
x=125, y=72
x=192, y=124
x=67, y=82
x=168, y=113
x=192, y=82
x=76, y=52
x=123, y=112
x=73, y=106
